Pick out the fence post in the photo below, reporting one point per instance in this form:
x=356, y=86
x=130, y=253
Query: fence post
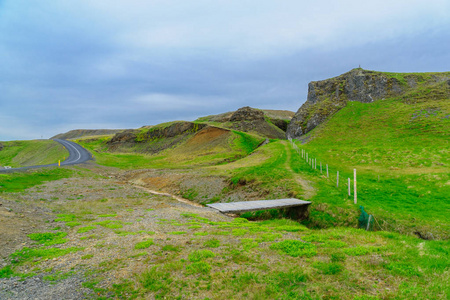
x=349, y=192
x=337, y=179
x=320, y=167
x=315, y=163
x=327, y=172
x=354, y=186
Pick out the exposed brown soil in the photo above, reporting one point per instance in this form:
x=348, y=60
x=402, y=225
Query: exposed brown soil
x=208, y=136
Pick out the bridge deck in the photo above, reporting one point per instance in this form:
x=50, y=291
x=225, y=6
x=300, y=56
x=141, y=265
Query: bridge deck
x=238, y=207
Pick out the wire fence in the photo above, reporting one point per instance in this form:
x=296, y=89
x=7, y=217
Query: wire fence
x=312, y=162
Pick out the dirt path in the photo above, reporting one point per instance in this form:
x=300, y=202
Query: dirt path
x=138, y=183
x=308, y=189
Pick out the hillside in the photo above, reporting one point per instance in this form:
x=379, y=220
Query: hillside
x=209, y=140
x=328, y=96
x=29, y=153
x=267, y=123
x=77, y=133
x=172, y=145
x=401, y=154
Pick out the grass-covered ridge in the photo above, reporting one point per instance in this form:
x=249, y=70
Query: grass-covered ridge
x=209, y=146
x=30, y=153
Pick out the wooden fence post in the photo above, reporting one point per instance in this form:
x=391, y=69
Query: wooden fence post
x=327, y=172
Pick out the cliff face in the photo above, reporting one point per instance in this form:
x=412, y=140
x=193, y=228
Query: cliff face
x=326, y=97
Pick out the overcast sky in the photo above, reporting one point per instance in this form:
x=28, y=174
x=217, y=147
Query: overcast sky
x=123, y=64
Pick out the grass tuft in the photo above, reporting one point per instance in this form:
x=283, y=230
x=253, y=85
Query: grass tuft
x=295, y=248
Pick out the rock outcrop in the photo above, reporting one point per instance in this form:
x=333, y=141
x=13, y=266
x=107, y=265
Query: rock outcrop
x=126, y=136
x=326, y=97
x=247, y=114
x=153, y=139
x=173, y=130
x=268, y=123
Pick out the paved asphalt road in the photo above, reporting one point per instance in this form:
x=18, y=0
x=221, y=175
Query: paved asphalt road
x=77, y=155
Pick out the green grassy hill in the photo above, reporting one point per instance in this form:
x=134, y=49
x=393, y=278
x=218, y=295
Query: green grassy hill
x=184, y=149
x=400, y=149
x=30, y=153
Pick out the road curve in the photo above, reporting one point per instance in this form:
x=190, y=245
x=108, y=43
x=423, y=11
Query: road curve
x=77, y=155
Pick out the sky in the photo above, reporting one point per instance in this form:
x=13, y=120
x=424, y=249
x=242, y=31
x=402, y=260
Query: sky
x=94, y=64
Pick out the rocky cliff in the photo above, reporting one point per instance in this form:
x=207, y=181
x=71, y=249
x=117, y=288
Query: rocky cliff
x=328, y=96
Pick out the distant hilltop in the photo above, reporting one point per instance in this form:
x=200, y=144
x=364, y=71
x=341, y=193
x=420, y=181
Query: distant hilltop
x=328, y=96
x=77, y=133
x=267, y=123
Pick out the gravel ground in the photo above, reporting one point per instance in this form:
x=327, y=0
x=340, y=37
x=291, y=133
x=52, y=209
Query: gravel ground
x=105, y=254
x=36, y=288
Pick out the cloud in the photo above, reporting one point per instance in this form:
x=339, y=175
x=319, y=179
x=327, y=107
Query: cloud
x=122, y=64
x=268, y=27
